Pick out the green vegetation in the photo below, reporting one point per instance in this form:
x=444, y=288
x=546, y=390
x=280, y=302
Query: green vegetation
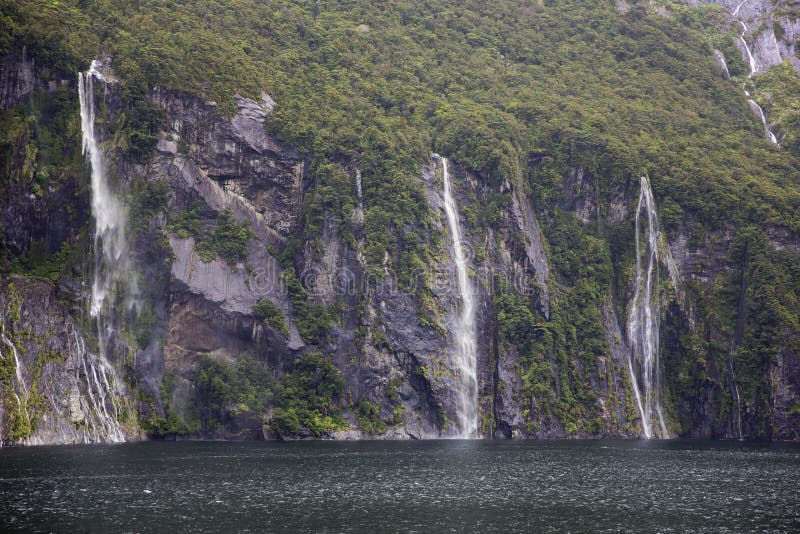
x=224, y=238
x=272, y=315
x=186, y=223
x=40, y=161
x=487, y=84
x=778, y=92
x=229, y=392
x=23, y=406
x=140, y=124
x=310, y=396
x=313, y=320
x=333, y=194
x=170, y=424
x=227, y=240
x=55, y=33
x=368, y=415
x=147, y=198
x=561, y=354
x=519, y=91
x=754, y=305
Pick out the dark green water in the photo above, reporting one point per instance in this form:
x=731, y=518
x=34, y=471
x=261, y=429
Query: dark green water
x=431, y=486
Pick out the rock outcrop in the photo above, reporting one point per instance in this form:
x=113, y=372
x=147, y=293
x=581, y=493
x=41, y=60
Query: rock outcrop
x=552, y=347
x=55, y=390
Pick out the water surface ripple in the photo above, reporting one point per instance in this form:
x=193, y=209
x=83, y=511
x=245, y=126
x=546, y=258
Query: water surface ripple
x=428, y=486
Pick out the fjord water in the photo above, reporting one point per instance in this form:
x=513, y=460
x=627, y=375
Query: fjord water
x=424, y=486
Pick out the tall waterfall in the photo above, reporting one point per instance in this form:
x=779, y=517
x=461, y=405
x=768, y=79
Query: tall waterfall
x=464, y=327
x=643, y=320
x=751, y=61
x=114, y=282
x=112, y=261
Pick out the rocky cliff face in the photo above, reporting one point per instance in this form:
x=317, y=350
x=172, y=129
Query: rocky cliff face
x=768, y=33
x=55, y=389
x=553, y=284
x=21, y=78
x=772, y=30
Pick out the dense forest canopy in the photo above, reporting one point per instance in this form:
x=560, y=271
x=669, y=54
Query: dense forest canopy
x=524, y=96
x=486, y=83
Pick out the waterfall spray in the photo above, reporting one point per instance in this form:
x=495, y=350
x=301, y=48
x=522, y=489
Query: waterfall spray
x=643, y=321
x=114, y=279
x=464, y=327
x=112, y=263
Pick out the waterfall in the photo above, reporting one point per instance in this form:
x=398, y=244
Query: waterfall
x=17, y=363
x=22, y=402
x=760, y=112
x=753, y=71
x=464, y=326
x=643, y=321
x=114, y=279
x=101, y=423
x=359, y=211
x=750, y=58
x=112, y=263
x=736, y=392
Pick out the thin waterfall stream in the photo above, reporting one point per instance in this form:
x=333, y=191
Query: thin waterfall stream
x=464, y=325
x=736, y=392
x=753, y=71
x=643, y=321
x=22, y=402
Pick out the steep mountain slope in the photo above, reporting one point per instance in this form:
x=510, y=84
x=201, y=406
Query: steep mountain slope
x=289, y=234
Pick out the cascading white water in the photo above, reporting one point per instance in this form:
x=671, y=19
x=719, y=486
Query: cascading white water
x=464, y=327
x=100, y=392
x=114, y=279
x=760, y=112
x=643, y=321
x=112, y=264
x=22, y=402
x=17, y=363
x=751, y=59
x=753, y=71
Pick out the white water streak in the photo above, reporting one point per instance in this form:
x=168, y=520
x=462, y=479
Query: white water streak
x=112, y=258
x=767, y=132
x=643, y=321
x=464, y=327
x=770, y=136
x=736, y=391
x=22, y=402
x=104, y=426
x=113, y=272
x=359, y=212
